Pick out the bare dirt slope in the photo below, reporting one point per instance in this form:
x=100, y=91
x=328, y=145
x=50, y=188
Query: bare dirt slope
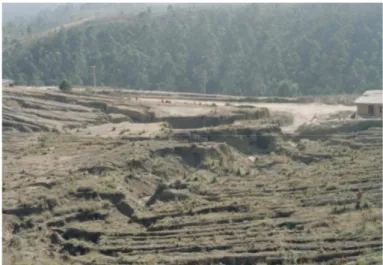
x=106, y=179
x=74, y=111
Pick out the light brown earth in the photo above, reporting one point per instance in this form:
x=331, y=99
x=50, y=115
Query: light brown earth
x=98, y=177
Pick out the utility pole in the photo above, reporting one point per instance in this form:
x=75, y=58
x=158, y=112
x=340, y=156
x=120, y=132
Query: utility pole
x=94, y=75
x=204, y=81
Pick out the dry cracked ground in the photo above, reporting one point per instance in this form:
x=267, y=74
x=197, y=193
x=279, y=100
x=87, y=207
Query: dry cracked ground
x=108, y=178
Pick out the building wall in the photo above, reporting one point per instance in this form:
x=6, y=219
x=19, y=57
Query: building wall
x=7, y=84
x=362, y=110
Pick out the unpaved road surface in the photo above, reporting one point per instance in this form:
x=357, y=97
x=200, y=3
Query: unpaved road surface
x=301, y=113
x=307, y=113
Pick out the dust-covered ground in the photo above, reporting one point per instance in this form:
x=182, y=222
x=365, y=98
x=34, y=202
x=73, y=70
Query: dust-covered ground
x=122, y=178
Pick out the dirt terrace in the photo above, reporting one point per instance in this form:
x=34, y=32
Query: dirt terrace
x=28, y=109
x=101, y=179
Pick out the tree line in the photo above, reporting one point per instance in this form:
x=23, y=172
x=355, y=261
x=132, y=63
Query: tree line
x=250, y=50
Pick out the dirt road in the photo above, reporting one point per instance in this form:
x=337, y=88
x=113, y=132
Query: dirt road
x=302, y=113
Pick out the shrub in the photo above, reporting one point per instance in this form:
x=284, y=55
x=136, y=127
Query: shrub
x=15, y=242
x=43, y=140
x=89, y=90
x=65, y=86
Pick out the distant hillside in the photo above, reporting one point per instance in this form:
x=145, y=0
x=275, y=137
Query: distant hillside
x=257, y=49
x=22, y=22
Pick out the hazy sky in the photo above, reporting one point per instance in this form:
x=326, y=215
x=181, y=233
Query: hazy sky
x=11, y=11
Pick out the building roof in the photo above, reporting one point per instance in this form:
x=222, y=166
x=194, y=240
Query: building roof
x=371, y=97
x=372, y=92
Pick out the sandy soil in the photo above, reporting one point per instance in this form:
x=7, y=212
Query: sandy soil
x=306, y=113
x=302, y=113
x=121, y=129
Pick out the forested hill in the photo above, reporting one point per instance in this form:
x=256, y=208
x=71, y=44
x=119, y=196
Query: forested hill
x=257, y=49
x=23, y=21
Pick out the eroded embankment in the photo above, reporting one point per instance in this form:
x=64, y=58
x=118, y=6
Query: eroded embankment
x=241, y=193
x=327, y=129
x=246, y=139
x=215, y=118
x=30, y=110
x=197, y=198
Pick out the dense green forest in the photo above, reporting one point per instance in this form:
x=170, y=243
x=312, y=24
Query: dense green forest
x=256, y=49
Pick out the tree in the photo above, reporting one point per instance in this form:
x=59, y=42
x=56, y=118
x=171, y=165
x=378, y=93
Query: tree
x=287, y=88
x=29, y=31
x=65, y=86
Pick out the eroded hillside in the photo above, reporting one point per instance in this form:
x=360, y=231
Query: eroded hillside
x=106, y=179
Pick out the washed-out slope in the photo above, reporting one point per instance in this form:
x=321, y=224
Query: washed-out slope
x=232, y=193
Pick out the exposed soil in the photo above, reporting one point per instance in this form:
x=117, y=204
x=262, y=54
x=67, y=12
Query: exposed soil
x=100, y=178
